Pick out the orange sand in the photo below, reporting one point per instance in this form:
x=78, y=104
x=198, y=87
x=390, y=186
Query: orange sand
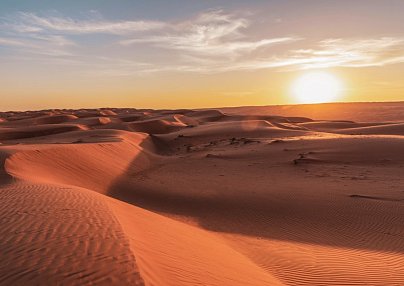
x=236, y=196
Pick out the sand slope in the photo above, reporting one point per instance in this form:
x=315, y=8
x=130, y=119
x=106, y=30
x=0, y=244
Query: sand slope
x=55, y=235
x=200, y=197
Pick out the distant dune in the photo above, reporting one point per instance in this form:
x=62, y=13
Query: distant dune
x=356, y=111
x=278, y=195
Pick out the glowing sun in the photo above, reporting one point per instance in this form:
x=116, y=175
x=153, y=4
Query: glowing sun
x=316, y=87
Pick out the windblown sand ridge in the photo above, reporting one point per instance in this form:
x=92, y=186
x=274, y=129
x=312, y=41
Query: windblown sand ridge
x=183, y=197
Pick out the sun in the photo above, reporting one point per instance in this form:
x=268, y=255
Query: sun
x=317, y=87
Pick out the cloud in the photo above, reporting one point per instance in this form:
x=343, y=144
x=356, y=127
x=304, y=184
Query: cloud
x=353, y=53
x=12, y=42
x=29, y=33
x=24, y=39
x=31, y=22
x=201, y=46
x=214, y=33
x=51, y=45
x=349, y=53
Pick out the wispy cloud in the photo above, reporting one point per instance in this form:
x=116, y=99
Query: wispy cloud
x=51, y=45
x=354, y=53
x=9, y=42
x=214, y=33
x=24, y=39
x=31, y=22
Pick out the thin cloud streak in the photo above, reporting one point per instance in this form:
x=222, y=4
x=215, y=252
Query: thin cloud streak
x=51, y=45
x=9, y=42
x=31, y=22
x=185, y=43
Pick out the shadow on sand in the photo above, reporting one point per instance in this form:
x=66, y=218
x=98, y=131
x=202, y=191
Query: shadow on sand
x=339, y=222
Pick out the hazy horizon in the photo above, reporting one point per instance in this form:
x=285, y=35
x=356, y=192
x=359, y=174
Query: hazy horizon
x=207, y=107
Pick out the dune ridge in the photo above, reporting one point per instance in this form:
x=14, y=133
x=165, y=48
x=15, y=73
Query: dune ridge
x=199, y=197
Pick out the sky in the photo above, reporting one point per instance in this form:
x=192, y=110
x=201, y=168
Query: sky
x=194, y=53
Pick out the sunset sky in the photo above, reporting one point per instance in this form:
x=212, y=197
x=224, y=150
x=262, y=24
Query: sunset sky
x=189, y=54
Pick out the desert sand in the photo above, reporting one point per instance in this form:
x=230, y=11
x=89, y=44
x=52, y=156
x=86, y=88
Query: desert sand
x=279, y=195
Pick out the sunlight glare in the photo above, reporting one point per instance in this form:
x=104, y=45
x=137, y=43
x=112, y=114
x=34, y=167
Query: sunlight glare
x=316, y=87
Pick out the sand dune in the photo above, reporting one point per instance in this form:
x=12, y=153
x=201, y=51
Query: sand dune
x=186, y=120
x=360, y=112
x=55, y=119
x=67, y=163
x=8, y=133
x=206, y=115
x=93, y=121
x=336, y=125
x=200, y=197
x=156, y=126
x=385, y=129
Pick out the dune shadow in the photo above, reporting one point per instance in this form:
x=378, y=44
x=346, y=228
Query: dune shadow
x=347, y=222
x=5, y=178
